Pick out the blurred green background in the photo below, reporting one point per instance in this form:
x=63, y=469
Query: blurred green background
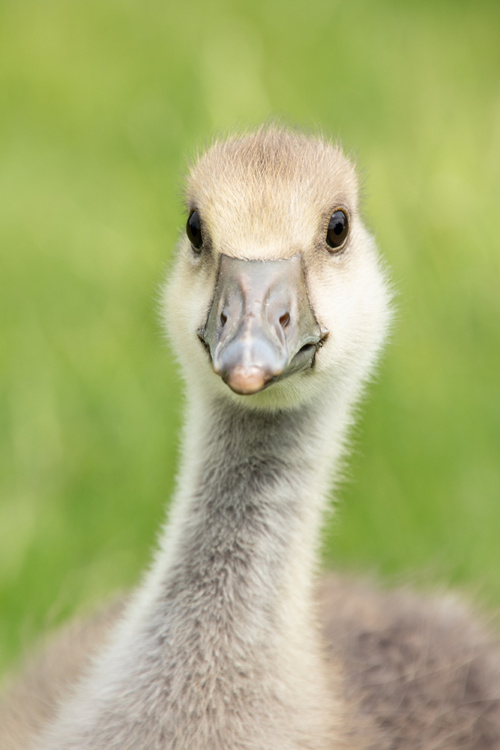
x=102, y=102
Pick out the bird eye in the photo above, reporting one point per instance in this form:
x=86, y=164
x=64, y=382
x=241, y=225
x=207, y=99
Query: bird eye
x=338, y=229
x=193, y=230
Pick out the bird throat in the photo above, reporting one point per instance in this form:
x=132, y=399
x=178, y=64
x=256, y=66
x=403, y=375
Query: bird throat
x=237, y=601
x=219, y=648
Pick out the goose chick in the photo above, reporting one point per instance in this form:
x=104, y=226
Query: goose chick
x=277, y=307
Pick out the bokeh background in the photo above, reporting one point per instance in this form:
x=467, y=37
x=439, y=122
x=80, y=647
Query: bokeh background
x=102, y=102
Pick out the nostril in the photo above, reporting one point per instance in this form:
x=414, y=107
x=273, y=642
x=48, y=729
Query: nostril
x=223, y=319
x=284, y=319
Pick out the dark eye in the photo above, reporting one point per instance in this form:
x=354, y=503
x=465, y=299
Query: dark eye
x=338, y=229
x=193, y=230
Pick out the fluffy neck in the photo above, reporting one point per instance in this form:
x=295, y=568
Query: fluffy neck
x=249, y=507
x=220, y=647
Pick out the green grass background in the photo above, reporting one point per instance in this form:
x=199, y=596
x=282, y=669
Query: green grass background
x=101, y=103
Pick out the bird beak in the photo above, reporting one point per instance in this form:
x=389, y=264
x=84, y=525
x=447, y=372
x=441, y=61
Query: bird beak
x=260, y=327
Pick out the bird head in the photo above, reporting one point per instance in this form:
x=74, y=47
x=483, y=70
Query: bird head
x=277, y=289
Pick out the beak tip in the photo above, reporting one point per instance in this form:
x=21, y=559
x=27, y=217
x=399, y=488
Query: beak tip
x=246, y=380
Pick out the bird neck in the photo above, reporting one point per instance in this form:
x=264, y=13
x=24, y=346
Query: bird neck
x=249, y=507
x=234, y=580
x=219, y=649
